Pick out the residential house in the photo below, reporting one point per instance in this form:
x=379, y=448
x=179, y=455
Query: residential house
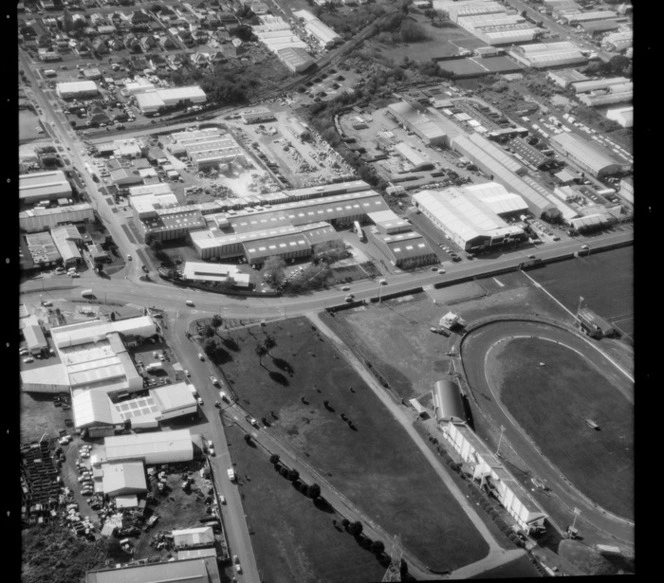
x=186, y=37
x=106, y=29
x=217, y=57
x=84, y=48
x=100, y=46
x=167, y=43
x=147, y=43
x=201, y=37
x=175, y=61
x=115, y=44
x=222, y=36
x=200, y=60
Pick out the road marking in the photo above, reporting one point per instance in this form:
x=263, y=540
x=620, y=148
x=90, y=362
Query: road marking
x=500, y=283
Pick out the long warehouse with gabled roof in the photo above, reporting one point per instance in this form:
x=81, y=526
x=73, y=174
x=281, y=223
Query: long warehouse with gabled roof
x=586, y=155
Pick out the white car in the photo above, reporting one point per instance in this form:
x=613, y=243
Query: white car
x=199, y=401
x=74, y=275
x=28, y=360
x=189, y=303
x=187, y=373
x=200, y=356
x=24, y=352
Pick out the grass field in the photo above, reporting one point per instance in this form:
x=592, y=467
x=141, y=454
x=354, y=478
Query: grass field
x=551, y=403
x=604, y=280
x=292, y=539
x=522, y=567
x=39, y=415
x=375, y=465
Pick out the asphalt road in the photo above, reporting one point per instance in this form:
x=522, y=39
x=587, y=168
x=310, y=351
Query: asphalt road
x=235, y=524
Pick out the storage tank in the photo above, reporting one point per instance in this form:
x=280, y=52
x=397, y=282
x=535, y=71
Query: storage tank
x=448, y=405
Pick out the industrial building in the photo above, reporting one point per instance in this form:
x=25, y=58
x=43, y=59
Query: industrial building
x=501, y=168
x=257, y=115
x=51, y=185
x=530, y=155
x=159, y=99
x=425, y=122
x=76, y=90
x=323, y=34
x=468, y=220
x=171, y=223
x=67, y=240
x=296, y=59
x=594, y=325
x=190, y=570
x=215, y=272
x=155, y=447
x=615, y=94
x=586, y=155
x=499, y=29
x=618, y=41
x=486, y=468
x=622, y=115
x=92, y=357
x=413, y=158
x=389, y=222
x=565, y=77
x=211, y=147
x=123, y=479
x=547, y=55
x=34, y=336
x=447, y=402
x=42, y=249
x=590, y=85
x=581, y=17
x=193, y=538
x=458, y=11
x=404, y=250
x=627, y=189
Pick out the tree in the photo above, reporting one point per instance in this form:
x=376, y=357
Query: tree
x=274, y=459
x=345, y=523
x=377, y=547
x=269, y=343
x=260, y=352
x=210, y=347
x=313, y=491
x=274, y=270
x=216, y=320
x=355, y=528
x=208, y=331
x=293, y=475
x=553, y=216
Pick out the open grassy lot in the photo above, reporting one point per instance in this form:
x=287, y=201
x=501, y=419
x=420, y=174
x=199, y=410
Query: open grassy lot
x=293, y=540
x=373, y=462
x=39, y=415
x=414, y=359
x=552, y=402
x=605, y=281
x=522, y=567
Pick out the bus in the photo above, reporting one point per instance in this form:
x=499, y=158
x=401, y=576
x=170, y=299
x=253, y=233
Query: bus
x=358, y=229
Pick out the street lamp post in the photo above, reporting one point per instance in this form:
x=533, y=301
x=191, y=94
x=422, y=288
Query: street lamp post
x=500, y=440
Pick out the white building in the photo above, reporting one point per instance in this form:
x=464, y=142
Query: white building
x=160, y=447
x=545, y=55
x=622, y=115
x=76, y=89
x=155, y=101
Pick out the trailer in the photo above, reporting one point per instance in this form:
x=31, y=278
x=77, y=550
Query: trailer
x=153, y=366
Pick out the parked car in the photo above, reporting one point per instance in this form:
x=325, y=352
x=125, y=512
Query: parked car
x=189, y=303
x=200, y=356
x=199, y=401
x=187, y=373
x=214, y=380
x=28, y=360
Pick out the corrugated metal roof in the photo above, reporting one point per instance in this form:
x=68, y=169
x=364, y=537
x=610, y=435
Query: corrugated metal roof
x=176, y=444
x=581, y=149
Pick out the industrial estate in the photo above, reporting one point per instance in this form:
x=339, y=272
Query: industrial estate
x=325, y=291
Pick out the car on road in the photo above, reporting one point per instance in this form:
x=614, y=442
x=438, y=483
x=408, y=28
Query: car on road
x=253, y=421
x=59, y=270
x=456, y=258
x=350, y=297
x=200, y=356
x=187, y=373
x=441, y=270
x=28, y=360
x=199, y=401
x=24, y=352
x=222, y=499
x=531, y=256
x=224, y=396
x=190, y=303
x=214, y=380
x=584, y=247
x=236, y=560
x=383, y=282
x=345, y=288
x=238, y=569
x=74, y=274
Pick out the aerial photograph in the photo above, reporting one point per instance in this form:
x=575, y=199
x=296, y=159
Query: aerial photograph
x=325, y=291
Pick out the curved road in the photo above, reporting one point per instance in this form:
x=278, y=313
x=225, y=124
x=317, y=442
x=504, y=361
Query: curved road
x=473, y=354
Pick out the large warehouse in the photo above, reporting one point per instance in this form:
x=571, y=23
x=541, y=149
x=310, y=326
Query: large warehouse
x=500, y=167
x=587, y=155
x=426, y=123
x=39, y=186
x=40, y=219
x=157, y=447
x=545, y=55
x=155, y=101
x=466, y=219
x=405, y=250
x=77, y=89
x=192, y=570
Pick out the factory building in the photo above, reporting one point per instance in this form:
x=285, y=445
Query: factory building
x=405, y=250
x=447, y=402
x=325, y=36
x=191, y=570
x=215, y=272
x=581, y=17
x=530, y=155
x=499, y=29
x=40, y=219
x=501, y=168
x=157, y=447
x=457, y=12
x=627, y=189
x=257, y=115
x=159, y=99
x=618, y=41
x=287, y=245
x=42, y=249
x=565, y=77
x=601, y=84
x=296, y=59
x=76, y=90
x=33, y=334
x=389, y=223
x=586, y=155
x=67, y=240
x=123, y=479
x=486, y=468
x=593, y=324
x=611, y=97
x=547, y=55
x=174, y=222
x=415, y=160
x=466, y=219
x=206, y=148
x=51, y=185
x=425, y=122
x=622, y=115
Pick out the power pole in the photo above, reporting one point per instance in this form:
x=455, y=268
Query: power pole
x=393, y=572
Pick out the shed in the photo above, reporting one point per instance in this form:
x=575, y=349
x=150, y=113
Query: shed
x=448, y=405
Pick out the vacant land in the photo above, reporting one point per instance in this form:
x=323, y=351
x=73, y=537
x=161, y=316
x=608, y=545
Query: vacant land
x=371, y=460
x=40, y=416
x=522, y=567
x=552, y=402
x=414, y=359
x=605, y=281
x=293, y=540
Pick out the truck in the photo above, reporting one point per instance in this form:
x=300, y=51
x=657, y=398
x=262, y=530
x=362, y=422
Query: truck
x=87, y=293
x=231, y=474
x=158, y=365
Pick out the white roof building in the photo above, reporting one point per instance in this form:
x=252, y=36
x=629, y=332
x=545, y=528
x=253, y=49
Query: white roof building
x=202, y=536
x=201, y=271
x=465, y=218
x=69, y=90
x=622, y=115
x=159, y=447
x=496, y=197
x=543, y=55
x=588, y=156
x=123, y=478
x=38, y=186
